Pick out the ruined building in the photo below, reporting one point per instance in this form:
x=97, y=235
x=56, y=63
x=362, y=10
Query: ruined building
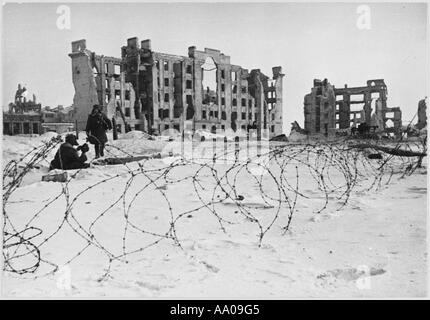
x=29, y=117
x=151, y=91
x=58, y=119
x=328, y=109
x=24, y=116
x=422, y=114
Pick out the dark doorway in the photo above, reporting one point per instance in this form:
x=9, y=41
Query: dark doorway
x=26, y=127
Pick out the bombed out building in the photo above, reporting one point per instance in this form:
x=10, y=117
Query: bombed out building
x=24, y=116
x=152, y=92
x=328, y=109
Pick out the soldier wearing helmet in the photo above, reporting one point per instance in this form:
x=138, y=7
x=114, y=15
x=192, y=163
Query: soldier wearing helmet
x=67, y=157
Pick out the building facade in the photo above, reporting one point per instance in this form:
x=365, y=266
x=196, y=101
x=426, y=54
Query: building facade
x=328, y=109
x=151, y=91
x=24, y=116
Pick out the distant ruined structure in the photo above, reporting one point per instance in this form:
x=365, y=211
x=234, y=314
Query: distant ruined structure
x=328, y=109
x=151, y=91
x=26, y=116
x=422, y=114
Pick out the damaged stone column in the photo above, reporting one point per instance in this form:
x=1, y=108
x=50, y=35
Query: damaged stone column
x=422, y=115
x=83, y=81
x=277, y=121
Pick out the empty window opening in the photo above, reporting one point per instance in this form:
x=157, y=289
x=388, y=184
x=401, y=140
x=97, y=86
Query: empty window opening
x=190, y=107
x=357, y=107
x=35, y=127
x=209, y=81
x=389, y=123
x=375, y=95
x=233, y=121
x=234, y=102
x=166, y=113
x=357, y=97
x=177, y=111
x=189, y=84
x=117, y=69
x=166, y=97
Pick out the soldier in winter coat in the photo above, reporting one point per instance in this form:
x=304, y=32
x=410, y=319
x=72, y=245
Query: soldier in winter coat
x=97, y=125
x=67, y=156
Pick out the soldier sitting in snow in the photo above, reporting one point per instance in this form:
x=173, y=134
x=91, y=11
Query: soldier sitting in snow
x=67, y=156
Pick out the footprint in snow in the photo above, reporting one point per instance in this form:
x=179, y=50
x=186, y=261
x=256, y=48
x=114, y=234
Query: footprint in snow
x=350, y=274
x=210, y=267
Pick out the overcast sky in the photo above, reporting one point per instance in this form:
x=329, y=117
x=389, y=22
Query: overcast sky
x=309, y=41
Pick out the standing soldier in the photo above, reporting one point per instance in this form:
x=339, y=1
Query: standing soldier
x=97, y=125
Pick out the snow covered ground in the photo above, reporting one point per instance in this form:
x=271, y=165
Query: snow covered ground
x=119, y=238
